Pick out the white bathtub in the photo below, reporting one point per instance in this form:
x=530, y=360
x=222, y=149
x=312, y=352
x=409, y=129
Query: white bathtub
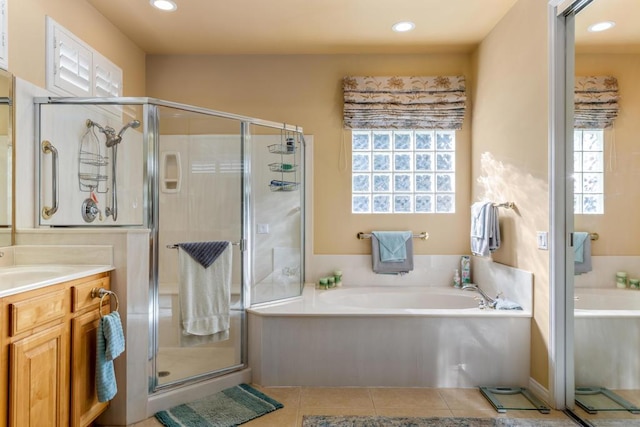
x=388, y=337
x=606, y=339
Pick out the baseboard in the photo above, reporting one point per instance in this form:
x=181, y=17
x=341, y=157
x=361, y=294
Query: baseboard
x=541, y=393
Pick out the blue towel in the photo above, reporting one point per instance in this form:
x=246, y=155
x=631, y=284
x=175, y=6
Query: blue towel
x=113, y=335
x=579, y=237
x=581, y=250
x=505, y=304
x=105, y=375
x=204, y=252
x=392, y=245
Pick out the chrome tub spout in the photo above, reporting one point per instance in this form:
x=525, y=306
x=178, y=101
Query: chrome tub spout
x=489, y=302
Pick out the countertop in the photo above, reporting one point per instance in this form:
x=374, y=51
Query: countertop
x=20, y=278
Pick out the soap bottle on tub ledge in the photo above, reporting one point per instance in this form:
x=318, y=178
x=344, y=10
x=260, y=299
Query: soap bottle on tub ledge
x=456, y=279
x=465, y=268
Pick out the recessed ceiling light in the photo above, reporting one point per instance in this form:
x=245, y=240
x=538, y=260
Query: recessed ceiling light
x=601, y=26
x=403, y=26
x=166, y=5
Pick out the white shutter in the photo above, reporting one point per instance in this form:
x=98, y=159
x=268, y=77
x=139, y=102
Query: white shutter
x=72, y=65
x=74, y=68
x=108, y=77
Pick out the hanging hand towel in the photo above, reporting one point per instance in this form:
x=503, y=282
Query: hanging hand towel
x=582, y=252
x=114, y=337
x=485, y=228
x=399, y=260
x=205, y=291
x=106, y=386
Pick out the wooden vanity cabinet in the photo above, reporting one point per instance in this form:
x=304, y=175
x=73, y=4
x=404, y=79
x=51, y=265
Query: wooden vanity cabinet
x=48, y=355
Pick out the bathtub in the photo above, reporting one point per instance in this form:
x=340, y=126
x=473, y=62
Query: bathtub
x=606, y=339
x=388, y=337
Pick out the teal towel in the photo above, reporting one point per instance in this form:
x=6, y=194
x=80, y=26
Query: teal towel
x=392, y=245
x=579, y=238
x=113, y=335
x=105, y=375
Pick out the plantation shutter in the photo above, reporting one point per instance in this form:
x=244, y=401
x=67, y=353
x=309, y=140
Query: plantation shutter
x=436, y=102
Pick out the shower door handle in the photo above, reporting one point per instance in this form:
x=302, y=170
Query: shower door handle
x=47, y=147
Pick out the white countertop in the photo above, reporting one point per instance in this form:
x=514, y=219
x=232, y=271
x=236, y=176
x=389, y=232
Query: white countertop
x=20, y=278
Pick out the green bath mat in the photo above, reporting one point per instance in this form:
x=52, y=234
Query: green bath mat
x=377, y=421
x=227, y=408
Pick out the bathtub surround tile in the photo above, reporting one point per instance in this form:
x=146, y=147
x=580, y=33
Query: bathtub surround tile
x=604, y=270
x=429, y=270
x=407, y=398
x=512, y=283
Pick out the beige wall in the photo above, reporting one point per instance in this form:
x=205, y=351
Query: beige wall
x=27, y=40
x=510, y=150
x=306, y=91
x=621, y=159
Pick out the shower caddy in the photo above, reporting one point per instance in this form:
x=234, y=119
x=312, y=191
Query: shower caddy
x=285, y=167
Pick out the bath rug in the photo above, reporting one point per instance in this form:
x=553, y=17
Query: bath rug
x=227, y=408
x=359, y=421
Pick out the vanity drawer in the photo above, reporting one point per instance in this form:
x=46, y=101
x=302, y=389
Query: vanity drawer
x=36, y=311
x=81, y=294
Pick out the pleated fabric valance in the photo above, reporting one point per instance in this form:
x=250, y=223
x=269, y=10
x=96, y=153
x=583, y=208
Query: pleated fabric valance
x=596, y=102
x=436, y=102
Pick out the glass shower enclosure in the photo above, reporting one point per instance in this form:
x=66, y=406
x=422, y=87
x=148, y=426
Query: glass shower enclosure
x=186, y=174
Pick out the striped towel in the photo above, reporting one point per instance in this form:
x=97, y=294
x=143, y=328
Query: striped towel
x=204, y=252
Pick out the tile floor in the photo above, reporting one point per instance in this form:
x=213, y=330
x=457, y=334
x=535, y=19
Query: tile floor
x=408, y=402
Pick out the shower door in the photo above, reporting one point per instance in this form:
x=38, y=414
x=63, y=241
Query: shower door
x=605, y=194
x=200, y=198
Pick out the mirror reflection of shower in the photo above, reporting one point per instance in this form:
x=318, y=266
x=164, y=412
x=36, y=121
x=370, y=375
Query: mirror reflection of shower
x=112, y=141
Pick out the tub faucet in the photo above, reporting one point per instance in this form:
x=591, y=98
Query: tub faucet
x=489, y=302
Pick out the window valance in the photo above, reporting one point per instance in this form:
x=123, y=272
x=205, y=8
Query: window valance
x=436, y=102
x=596, y=102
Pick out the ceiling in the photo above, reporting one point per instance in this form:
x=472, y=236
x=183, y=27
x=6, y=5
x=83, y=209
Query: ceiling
x=340, y=26
x=623, y=38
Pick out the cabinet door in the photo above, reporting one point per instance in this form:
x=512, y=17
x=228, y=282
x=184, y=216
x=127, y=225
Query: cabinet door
x=39, y=379
x=84, y=400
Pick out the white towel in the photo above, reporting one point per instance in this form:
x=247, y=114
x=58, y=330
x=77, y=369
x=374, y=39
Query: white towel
x=485, y=228
x=205, y=296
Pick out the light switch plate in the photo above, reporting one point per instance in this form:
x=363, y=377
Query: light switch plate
x=542, y=238
x=263, y=228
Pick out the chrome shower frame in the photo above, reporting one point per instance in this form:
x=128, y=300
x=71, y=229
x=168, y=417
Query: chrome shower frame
x=151, y=123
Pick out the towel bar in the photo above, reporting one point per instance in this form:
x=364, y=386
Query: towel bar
x=175, y=246
x=506, y=205
x=101, y=293
x=594, y=236
x=422, y=235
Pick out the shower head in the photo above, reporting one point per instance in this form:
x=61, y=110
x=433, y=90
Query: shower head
x=132, y=124
x=113, y=139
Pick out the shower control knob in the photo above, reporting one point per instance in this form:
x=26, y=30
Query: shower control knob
x=90, y=210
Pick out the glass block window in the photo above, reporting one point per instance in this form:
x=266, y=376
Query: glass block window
x=403, y=171
x=588, y=171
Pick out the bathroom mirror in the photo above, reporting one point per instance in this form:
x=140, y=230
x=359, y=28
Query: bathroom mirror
x=6, y=158
x=607, y=314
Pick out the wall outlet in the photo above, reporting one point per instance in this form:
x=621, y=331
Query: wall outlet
x=542, y=238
